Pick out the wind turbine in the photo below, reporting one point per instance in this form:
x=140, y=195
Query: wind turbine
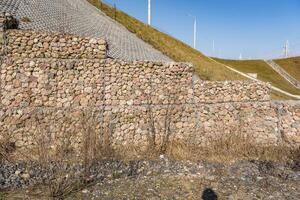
x=195, y=31
x=149, y=12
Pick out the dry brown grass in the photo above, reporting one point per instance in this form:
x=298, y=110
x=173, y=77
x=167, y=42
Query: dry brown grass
x=63, y=183
x=291, y=65
x=264, y=73
x=95, y=146
x=6, y=147
x=232, y=148
x=26, y=19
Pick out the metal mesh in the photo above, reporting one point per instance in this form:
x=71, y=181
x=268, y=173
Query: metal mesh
x=80, y=18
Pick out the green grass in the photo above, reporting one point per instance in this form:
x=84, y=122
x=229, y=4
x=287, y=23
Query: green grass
x=173, y=48
x=1, y=196
x=279, y=96
x=291, y=65
x=264, y=73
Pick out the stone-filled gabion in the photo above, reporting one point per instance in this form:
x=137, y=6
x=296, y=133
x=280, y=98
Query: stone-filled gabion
x=81, y=18
x=46, y=100
x=85, y=82
x=30, y=44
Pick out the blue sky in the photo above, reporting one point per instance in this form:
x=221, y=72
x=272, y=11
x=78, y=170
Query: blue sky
x=254, y=28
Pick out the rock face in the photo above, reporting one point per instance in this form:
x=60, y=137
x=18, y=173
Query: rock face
x=46, y=95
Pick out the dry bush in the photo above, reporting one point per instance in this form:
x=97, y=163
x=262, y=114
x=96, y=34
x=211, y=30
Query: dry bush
x=42, y=151
x=168, y=132
x=65, y=149
x=96, y=139
x=91, y=143
x=230, y=148
x=64, y=182
x=95, y=146
x=26, y=19
x=154, y=149
x=6, y=146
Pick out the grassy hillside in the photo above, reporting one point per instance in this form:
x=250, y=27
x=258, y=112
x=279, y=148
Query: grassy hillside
x=175, y=49
x=205, y=67
x=264, y=73
x=291, y=65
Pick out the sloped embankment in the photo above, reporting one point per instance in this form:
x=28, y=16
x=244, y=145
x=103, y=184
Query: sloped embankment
x=290, y=65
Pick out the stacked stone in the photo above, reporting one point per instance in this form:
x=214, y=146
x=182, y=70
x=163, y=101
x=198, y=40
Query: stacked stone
x=85, y=82
x=289, y=121
x=30, y=44
x=230, y=91
x=146, y=83
x=136, y=100
x=261, y=123
x=46, y=100
x=51, y=83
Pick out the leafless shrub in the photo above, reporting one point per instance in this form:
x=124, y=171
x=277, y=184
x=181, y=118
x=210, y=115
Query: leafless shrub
x=65, y=150
x=6, y=146
x=90, y=138
x=96, y=139
x=155, y=149
x=151, y=137
x=42, y=150
x=26, y=19
x=229, y=148
x=64, y=182
x=168, y=132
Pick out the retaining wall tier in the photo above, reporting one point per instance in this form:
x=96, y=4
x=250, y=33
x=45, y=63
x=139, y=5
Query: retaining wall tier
x=32, y=44
x=71, y=83
x=262, y=123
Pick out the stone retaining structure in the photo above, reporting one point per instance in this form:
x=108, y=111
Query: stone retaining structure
x=31, y=44
x=70, y=83
x=80, y=18
x=48, y=100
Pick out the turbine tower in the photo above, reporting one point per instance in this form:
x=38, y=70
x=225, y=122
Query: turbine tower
x=195, y=32
x=286, y=49
x=241, y=56
x=213, y=47
x=149, y=12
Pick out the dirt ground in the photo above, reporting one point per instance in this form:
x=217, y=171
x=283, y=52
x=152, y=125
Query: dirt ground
x=247, y=180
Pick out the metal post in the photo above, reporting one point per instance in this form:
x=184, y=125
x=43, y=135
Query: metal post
x=286, y=49
x=213, y=47
x=149, y=12
x=115, y=10
x=195, y=32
